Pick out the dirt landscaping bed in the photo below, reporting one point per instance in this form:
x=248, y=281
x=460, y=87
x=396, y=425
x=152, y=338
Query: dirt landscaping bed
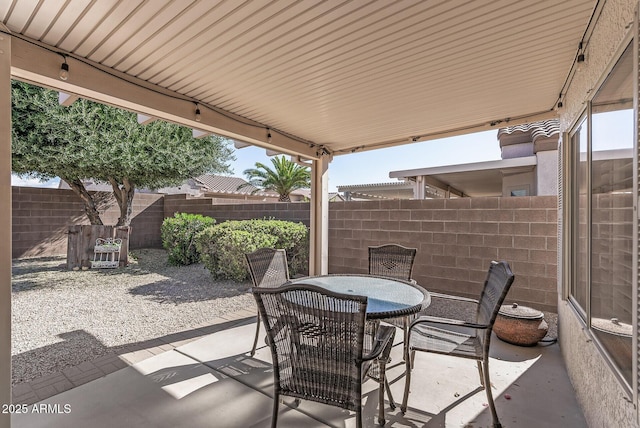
x=62, y=318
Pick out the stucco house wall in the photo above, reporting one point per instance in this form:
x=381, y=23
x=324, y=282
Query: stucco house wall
x=547, y=173
x=605, y=402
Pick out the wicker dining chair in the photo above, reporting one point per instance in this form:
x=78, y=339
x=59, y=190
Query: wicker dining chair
x=393, y=261
x=450, y=332
x=318, y=345
x=267, y=268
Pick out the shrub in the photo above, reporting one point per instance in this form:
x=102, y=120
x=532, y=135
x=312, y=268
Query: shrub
x=222, y=247
x=178, y=236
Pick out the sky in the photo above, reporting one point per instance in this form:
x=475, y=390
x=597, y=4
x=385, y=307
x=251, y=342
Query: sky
x=374, y=166
x=371, y=166
x=610, y=131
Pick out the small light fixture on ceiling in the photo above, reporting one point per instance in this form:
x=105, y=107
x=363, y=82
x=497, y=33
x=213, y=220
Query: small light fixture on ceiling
x=580, y=59
x=64, y=69
x=268, y=135
x=198, y=115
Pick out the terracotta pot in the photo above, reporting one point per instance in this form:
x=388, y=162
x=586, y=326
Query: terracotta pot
x=520, y=325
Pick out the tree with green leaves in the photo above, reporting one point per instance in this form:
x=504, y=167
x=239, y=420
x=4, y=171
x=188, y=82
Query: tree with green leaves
x=88, y=140
x=285, y=177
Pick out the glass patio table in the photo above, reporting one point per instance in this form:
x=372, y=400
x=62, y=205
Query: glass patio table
x=387, y=297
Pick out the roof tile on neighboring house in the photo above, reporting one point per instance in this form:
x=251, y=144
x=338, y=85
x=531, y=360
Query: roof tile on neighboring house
x=542, y=129
x=540, y=136
x=376, y=185
x=90, y=185
x=225, y=184
x=198, y=186
x=99, y=186
x=304, y=193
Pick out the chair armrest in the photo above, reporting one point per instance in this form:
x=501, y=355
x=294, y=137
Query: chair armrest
x=451, y=307
x=424, y=319
x=450, y=297
x=383, y=340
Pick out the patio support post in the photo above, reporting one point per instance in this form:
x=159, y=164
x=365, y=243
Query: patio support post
x=319, y=215
x=418, y=190
x=5, y=227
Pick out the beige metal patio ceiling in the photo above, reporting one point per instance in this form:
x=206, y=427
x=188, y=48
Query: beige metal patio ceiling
x=346, y=75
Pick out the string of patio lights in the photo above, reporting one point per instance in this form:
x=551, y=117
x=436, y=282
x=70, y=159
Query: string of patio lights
x=65, y=71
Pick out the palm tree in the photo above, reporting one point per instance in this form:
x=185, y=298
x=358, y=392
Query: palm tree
x=284, y=178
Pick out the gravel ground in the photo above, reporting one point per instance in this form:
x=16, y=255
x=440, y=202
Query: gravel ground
x=62, y=318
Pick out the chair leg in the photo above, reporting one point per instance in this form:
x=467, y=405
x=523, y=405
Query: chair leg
x=381, y=420
x=274, y=415
x=487, y=388
x=392, y=402
x=405, y=344
x=255, y=341
x=407, y=382
x=383, y=384
x=481, y=373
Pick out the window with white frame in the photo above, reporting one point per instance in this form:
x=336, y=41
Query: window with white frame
x=602, y=218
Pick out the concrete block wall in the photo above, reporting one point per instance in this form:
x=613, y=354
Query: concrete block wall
x=456, y=240
x=241, y=210
x=40, y=220
x=41, y=217
x=147, y=217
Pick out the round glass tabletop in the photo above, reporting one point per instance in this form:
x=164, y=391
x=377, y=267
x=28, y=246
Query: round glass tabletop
x=387, y=297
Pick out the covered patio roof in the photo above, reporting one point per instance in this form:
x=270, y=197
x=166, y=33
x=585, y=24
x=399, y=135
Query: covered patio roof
x=310, y=79
x=306, y=77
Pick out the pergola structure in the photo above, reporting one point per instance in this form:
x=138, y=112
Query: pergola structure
x=310, y=79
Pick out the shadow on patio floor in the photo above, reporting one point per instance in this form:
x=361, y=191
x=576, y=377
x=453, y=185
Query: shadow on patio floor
x=213, y=382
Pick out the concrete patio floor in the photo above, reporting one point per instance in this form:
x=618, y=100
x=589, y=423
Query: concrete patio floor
x=212, y=382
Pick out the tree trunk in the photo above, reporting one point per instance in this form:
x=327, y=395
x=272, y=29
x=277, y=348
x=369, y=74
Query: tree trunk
x=90, y=208
x=124, y=197
x=284, y=198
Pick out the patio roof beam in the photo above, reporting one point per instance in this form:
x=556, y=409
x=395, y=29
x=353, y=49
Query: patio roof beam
x=38, y=63
x=470, y=129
